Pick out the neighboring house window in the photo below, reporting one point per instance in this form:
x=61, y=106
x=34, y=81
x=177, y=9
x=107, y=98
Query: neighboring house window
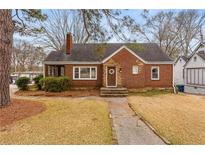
x=85, y=73
x=135, y=69
x=155, y=73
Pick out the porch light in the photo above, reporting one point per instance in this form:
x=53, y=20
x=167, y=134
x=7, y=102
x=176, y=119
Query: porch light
x=120, y=70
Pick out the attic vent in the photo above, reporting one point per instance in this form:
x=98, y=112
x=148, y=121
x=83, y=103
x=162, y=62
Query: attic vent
x=195, y=58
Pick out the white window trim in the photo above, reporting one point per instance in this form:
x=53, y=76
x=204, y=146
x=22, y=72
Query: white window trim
x=133, y=69
x=153, y=67
x=90, y=67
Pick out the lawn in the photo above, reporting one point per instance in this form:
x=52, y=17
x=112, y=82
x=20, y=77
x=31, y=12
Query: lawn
x=152, y=92
x=180, y=118
x=69, y=93
x=65, y=121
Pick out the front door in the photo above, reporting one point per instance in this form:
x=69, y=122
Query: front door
x=111, y=76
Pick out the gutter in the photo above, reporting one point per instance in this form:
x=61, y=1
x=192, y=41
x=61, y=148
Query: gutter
x=95, y=62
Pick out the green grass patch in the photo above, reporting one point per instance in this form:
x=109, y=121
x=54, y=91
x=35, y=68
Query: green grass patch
x=149, y=93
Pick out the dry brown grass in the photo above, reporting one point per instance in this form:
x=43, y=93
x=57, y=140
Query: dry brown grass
x=19, y=109
x=66, y=121
x=178, y=118
x=70, y=93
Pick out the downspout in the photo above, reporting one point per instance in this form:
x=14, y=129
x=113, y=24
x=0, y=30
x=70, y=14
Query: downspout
x=173, y=79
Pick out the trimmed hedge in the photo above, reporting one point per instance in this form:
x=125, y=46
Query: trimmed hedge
x=36, y=80
x=54, y=84
x=22, y=83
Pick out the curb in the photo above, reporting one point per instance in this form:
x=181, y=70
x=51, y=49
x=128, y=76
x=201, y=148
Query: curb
x=152, y=128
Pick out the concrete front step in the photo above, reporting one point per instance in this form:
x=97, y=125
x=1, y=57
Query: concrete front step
x=113, y=95
x=113, y=92
x=114, y=89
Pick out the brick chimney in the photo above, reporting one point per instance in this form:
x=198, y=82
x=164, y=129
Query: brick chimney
x=69, y=43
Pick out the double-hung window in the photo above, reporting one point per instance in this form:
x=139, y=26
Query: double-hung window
x=84, y=73
x=155, y=73
x=135, y=69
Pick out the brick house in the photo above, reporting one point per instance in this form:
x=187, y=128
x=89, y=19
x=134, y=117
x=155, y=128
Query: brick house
x=130, y=65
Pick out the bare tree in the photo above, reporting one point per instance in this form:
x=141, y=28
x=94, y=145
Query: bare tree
x=35, y=59
x=193, y=23
x=26, y=57
x=86, y=26
x=58, y=24
x=175, y=31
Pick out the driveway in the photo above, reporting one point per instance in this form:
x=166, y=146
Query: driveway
x=128, y=128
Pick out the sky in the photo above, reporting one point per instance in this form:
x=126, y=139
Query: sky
x=131, y=12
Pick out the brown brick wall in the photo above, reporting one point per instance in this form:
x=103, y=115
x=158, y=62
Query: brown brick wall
x=126, y=60
x=165, y=76
x=82, y=83
x=46, y=70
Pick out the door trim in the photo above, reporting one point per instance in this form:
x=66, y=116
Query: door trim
x=115, y=76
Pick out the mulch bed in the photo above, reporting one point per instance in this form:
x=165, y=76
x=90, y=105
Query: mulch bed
x=71, y=93
x=19, y=109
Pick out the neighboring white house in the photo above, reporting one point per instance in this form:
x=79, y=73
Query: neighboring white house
x=179, y=70
x=194, y=71
x=30, y=74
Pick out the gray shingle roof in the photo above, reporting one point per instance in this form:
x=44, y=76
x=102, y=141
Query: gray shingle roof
x=201, y=54
x=185, y=58
x=150, y=52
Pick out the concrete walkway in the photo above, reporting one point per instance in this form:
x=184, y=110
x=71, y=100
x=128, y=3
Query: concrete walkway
x=129, y=129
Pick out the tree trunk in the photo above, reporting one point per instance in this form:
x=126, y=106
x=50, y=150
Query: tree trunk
x=6, y=40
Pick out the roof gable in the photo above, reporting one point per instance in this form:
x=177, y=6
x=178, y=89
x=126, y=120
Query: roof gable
x=200, y=61
x=118, y=50
x=201, y=54
x=184, y=58
x=196, y=51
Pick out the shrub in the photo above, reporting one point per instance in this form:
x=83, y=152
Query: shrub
x=54, y=84
x=41, y=83
x=22, y=83
x=36, y=80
